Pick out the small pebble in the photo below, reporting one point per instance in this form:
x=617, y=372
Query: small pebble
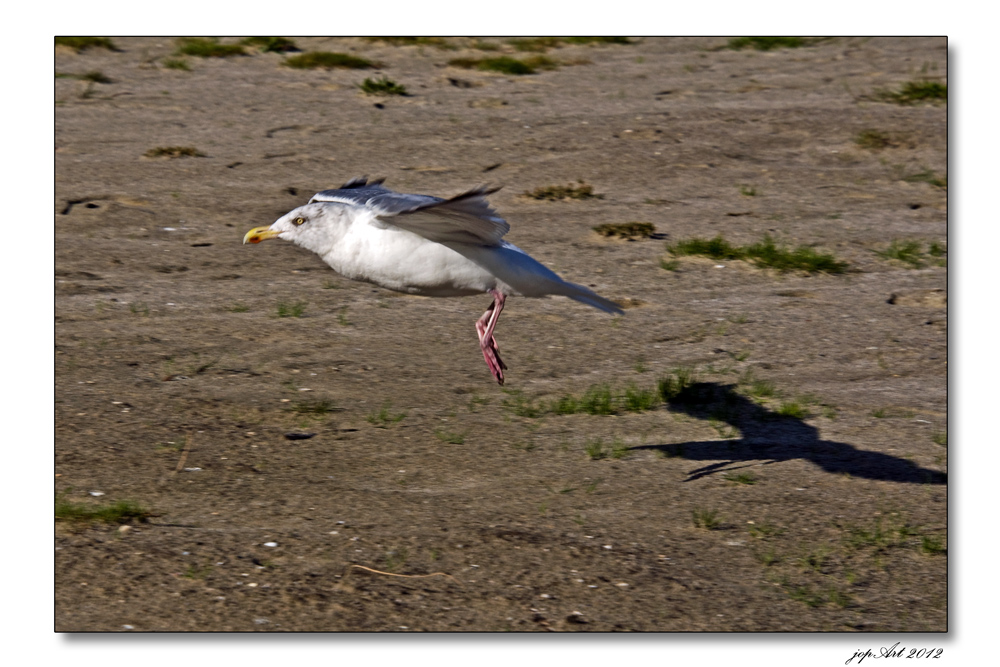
x=97, y=493
x=270, y=544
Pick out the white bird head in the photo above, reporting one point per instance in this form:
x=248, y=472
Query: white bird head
x=314, y=226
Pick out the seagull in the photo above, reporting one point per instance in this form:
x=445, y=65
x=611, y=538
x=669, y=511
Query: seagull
x=424, y=245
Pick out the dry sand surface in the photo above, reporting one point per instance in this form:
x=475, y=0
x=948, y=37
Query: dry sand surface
x=797, y=483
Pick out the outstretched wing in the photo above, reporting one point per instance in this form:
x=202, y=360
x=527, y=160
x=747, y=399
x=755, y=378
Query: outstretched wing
x=467, y=218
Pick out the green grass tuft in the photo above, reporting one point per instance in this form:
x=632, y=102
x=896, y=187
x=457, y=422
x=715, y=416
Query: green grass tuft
x=907, y=252
x=271, y=44
x=383, y=418
x=613, y=39
x=765, y=254
x=327, y=60
x=436, y=42
x=626, y=230
x=94, y=76
x=521, y=405
x=382, y=86
x=874, y=140
x=639, y=400
x=177, y=63
x=317, y=407
x=932, y=545
x=595, y=450
x=506, y=64
x=597, y=400
x=296, y=309
x=450, y=438
x=707, y=519
x=557, y=192
x=121, y=512
x=927, y=176
x=173, y=151
x=207, y=47
x=913, y=92
x=792, y=409
x=741, y=478
x=84, y=43
x=672, y=385
x=766, y=43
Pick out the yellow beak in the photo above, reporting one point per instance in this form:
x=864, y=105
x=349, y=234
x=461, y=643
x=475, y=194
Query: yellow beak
x=258, y=234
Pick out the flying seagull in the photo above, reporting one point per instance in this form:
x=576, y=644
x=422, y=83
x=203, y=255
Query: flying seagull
x=423, y=245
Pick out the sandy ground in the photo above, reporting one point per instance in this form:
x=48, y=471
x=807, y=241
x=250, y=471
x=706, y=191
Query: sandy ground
x=177, y=383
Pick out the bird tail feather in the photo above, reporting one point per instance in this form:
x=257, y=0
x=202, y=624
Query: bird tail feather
x=584, y=295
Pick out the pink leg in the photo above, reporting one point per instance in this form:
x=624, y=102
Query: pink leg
x=488, y=344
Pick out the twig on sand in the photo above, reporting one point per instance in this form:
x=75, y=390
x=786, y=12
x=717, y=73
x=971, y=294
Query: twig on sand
x=409, y=576
x=184, y=454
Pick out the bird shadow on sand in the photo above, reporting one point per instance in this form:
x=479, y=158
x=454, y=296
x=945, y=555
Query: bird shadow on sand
x=767, y=436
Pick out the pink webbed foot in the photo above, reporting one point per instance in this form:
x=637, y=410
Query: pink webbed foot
x=487, y=343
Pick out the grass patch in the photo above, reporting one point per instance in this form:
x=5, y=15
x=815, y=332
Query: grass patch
x=765, y=254
x=328, y=60
x=93, y=76
x=806, y=595
x=543, y=44
x=597, y=400
x=765, y=529
x=618, y=448
x=557, y=192
x=139, y=308
x=914, y=92
x=124, y=511
x=536, y=44
x=766, y=43
x=927, y=176
x=639, y=400
x=595, y=450
x=908, y=252
x=874, y=140
x=384, y=418
x=626, y=230
x=296, y=309
x=506, y=64
x=613, y=39
x=383, y=86
x=271, y=44
x=932, y=545
x=669, y=264
x=745, y=478
x=318, y=407
x=880, y=534
x=436, y=42
x=671, y=386
x=83, y=43
x=940, y=439
x=521, y=405
x=707, y=519
x=767, y=558
x=792, y=409
x=395, y=559
x=207, y=47
x=239, y=308
x=177, y=63
x=174, y=151
x=450, y=438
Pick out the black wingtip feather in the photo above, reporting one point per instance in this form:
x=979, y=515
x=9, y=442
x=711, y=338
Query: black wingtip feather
x=360, y=182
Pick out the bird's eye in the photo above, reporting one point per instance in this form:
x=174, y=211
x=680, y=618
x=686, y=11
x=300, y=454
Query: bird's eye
x=299, y=221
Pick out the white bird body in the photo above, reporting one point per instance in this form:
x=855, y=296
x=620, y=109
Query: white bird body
x=423, y=245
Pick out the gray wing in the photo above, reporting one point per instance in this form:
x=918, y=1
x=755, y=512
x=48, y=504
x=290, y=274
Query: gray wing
x=467, y=218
